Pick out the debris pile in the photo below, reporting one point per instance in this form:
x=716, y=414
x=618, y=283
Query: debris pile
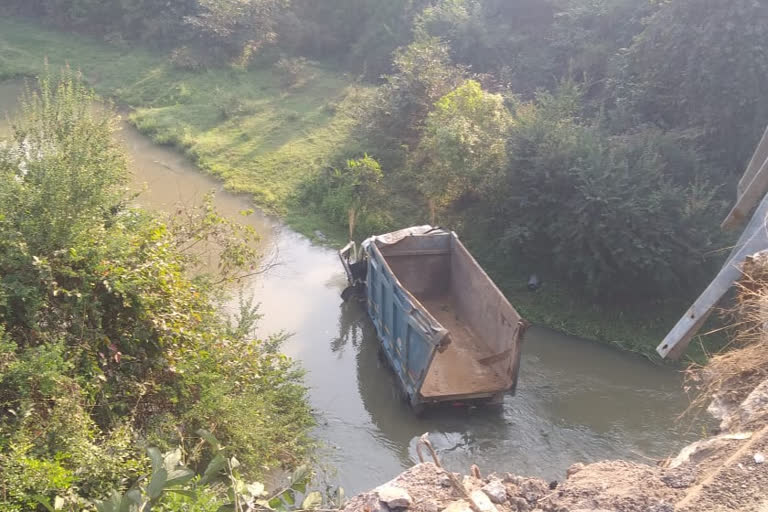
x=726, y=472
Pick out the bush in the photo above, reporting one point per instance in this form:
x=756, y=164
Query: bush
x=606, y=214
x=105, y=339
x=350, y=195
x=463, y=149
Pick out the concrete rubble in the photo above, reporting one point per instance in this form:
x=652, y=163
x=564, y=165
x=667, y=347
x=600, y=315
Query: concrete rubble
x=722, y=473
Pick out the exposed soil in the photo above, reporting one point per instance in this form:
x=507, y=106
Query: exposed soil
x=727, y=473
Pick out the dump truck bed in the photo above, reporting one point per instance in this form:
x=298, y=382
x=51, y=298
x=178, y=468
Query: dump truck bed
x=448, y=331
x=458, y=369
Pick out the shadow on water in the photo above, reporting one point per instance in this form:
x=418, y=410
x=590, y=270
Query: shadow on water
x=577, y=401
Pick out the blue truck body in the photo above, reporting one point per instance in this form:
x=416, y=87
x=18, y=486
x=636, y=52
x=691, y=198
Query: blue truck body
x=446, y=330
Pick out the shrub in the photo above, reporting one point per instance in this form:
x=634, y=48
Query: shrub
x=350, y=195
x=605, y=214
x=102, y=330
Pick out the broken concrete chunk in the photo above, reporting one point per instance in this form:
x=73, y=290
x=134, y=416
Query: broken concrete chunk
x=496, y=491
x=482, y=501
x=519, y=504
x=394, y=497
x=458, y=506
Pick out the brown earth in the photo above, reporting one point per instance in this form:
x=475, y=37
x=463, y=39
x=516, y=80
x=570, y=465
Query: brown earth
x=725, y=473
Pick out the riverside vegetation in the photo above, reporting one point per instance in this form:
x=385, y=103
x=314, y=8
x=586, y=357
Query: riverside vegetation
x=112, y=342
x=592, y=142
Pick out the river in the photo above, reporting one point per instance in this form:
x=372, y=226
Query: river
x=577, y=401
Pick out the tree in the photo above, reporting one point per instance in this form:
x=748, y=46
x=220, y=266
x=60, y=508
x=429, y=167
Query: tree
x=423, y=74
x=240, y=27
x=701, y=66
x=463, y=147
x=603, y=213
x=356, y=186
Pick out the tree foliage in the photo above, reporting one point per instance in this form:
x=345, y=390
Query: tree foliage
x=463, y=148
x=700, y=65
x=605, y=212
x=105, y=336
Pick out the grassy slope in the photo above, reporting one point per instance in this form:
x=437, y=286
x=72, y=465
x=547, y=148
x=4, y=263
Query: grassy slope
x=265, y=139
x=245, y=127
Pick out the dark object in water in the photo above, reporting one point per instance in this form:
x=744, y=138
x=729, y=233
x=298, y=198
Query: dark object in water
x=534, y=283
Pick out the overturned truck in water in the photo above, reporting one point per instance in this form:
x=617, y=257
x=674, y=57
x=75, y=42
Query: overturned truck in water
x=444, y=327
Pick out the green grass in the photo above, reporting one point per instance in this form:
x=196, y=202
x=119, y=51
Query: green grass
x=265, y=139
x=245, y=127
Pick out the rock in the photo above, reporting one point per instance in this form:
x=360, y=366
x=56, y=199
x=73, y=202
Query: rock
x=519, y=504
x=759, y=458
x=575, y=468
x=533, y=490
x=444, y=481
x=722, y=409
x=755, y=406
x=431, y=506
x=702, y=449
x=394, y=497
x=482, y=501
x=496, y=491
x=458, y=506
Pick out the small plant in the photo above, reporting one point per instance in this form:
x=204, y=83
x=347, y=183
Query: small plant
x=171, y=476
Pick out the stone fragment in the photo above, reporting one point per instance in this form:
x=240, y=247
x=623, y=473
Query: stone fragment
x=759, y=458
x=496, y=491
x=431, y=506
x=444, y=481
x=533, y=490
x=394, y=497
x=519, y=504
x=482, y=501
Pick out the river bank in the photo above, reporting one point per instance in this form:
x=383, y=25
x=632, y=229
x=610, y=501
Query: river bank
x=264, y=140
x=571, y=403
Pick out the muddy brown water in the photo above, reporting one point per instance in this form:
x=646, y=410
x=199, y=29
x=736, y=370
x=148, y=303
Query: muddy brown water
x=577, y=401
